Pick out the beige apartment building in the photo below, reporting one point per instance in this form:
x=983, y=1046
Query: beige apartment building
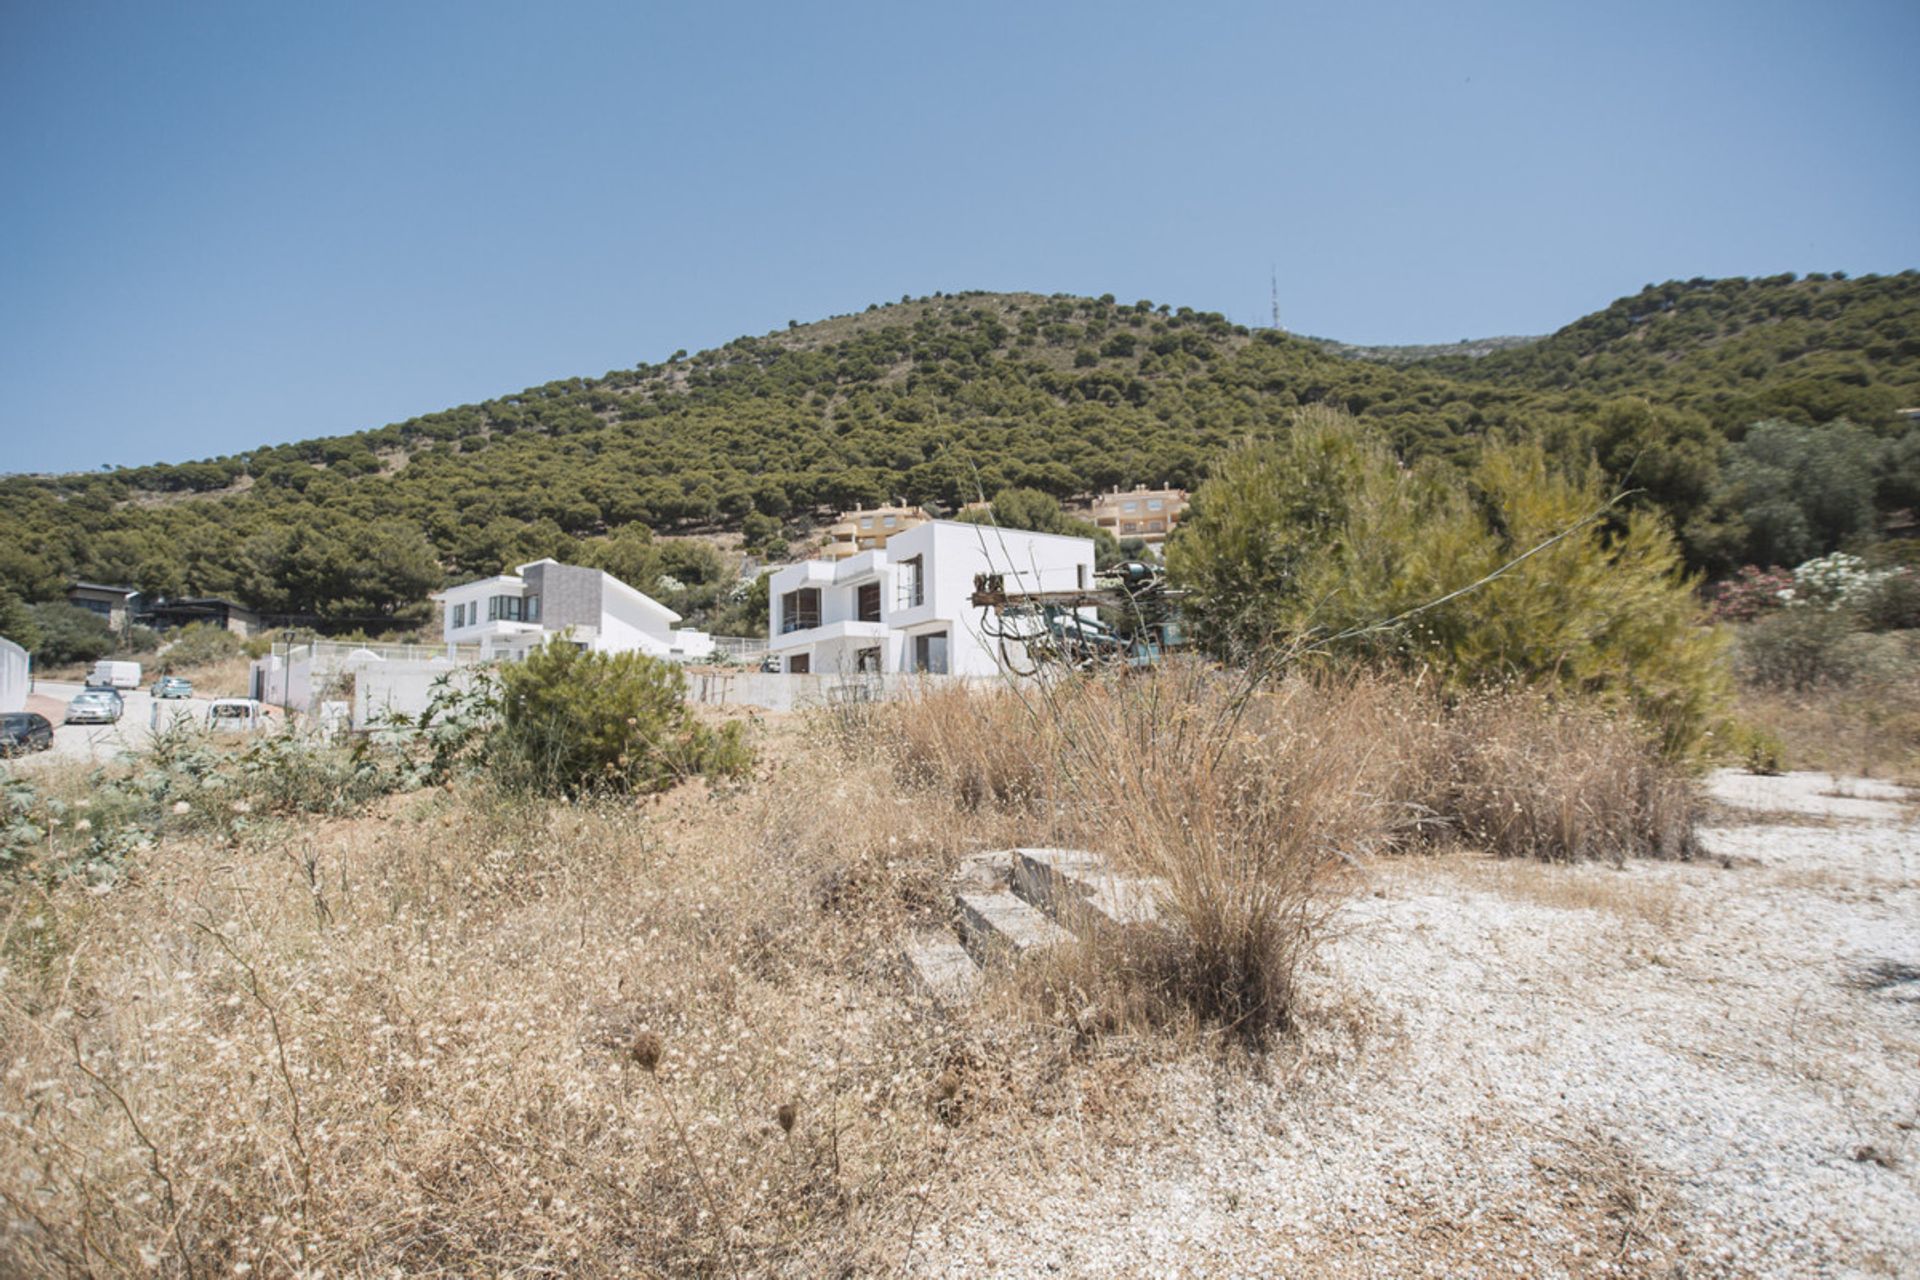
x=1143, y=513
x=868, y=528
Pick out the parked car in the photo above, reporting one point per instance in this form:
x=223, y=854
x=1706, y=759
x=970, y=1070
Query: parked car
x=173, y=687
x=234, y=715
x=23, y=731
x=95, y=706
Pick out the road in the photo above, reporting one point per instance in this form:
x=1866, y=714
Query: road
x=103, y=743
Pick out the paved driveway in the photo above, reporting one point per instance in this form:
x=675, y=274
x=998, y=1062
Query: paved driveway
x=102, y=743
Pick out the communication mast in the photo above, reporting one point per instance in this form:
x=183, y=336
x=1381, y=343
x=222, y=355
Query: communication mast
x=1273, y=274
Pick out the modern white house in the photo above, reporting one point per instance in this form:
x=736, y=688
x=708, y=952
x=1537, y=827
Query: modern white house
x=508, y=615
x=904, y=607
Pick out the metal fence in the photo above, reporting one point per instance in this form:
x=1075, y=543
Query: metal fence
x=736, y=648
x=458, y=654
x=741, y=648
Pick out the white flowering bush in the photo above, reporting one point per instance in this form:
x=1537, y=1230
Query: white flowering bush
x=1837, y=581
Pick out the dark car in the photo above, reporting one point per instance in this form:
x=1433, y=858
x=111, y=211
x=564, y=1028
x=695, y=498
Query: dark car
x=23, y=731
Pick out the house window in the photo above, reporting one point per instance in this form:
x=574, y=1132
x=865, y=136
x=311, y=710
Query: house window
x=1154, y=504
x=930, y=653
x=913, y=582
x=1080, y=575
x=800, y=664
x=888, y=522
x=867, y=660
x=1129, y=506
x=532, y=610
x=869, y=602
x=866, y=522
x=800, y=610
x=505, y=609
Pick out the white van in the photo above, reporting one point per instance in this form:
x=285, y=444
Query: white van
x=108, y=674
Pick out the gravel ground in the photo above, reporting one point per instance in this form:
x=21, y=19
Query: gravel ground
x=1699, y=1069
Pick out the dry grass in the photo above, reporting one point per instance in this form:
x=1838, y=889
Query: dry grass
x=471, y=1035
x=1639, y=899
x=1518, y=776
x=406, y=1042
x=1871, y=732
x=1248, y=804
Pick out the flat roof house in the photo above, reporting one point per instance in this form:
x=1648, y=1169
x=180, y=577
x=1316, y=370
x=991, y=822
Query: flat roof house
x=180, y=611
x=114, y=603
x=904, y=607
x=512, y=613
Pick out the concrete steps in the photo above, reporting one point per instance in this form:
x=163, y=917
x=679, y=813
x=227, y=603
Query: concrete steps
x=1004, y=926
x=1009, y=903
x=1081, y=891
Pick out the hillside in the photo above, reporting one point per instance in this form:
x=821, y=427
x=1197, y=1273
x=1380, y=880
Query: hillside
x=938, y=400
x=1818, y=348
x=1413, y=353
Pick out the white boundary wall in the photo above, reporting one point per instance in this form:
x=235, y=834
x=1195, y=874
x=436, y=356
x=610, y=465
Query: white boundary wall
x=776, y=691
x=13, y=676
x=387, y=686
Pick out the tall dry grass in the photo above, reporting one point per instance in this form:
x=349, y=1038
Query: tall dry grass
x=1248, y=803
x=418, y=1041
x=476, y=1034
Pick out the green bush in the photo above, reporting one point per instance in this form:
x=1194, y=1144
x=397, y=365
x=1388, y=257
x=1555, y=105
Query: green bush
x=200, y=644
x=1892, y=603
x=574, y=722
x=68, y=633
x=1323, y=542
x=1798, y=649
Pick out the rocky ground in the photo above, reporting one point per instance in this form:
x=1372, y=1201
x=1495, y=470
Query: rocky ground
x=1704, y=1068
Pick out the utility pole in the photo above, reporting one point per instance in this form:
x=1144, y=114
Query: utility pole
x=1273, y=276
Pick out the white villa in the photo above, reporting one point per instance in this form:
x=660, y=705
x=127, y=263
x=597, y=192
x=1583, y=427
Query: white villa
x=510, y=614
x=904, y=607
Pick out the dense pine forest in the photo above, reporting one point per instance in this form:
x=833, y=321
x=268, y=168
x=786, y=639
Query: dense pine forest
x=1763, y=417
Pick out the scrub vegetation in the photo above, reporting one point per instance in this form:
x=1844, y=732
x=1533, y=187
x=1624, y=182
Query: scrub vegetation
x=958, y=397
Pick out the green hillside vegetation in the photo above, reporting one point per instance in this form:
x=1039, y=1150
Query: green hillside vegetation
x=947, y=399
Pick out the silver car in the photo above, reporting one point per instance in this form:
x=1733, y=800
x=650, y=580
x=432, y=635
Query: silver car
x=95, y=706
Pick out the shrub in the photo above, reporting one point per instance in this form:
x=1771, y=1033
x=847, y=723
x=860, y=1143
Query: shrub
x=68, y=633
x=575, y=722
x=1525, y=777
x=1892, y=603
x=1797, y=649
x=1324, y=542
x=1750, y=593
x=1754, y=748
x=200, y=644
x=1837, y=581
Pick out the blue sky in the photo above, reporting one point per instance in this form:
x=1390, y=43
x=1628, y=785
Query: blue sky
x=227, y=225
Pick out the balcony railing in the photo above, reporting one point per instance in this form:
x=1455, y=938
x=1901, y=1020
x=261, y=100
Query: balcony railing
x=800, y=620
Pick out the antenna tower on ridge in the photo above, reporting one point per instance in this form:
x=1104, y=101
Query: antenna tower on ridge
x=1273, y=274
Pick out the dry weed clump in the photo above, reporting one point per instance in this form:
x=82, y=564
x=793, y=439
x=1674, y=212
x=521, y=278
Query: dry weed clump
x=1242, y=802
x=1522, y=776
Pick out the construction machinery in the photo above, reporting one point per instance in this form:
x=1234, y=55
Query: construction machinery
x=1127, y=616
